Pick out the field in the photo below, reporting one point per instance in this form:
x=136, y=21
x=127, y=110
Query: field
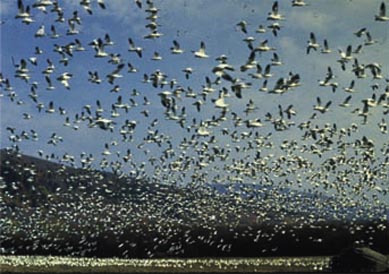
x=31, y=264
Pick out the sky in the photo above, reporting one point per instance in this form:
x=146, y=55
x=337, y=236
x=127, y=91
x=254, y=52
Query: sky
x=215, y=24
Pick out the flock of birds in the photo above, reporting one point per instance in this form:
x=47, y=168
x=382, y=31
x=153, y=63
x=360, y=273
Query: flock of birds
x=214, y=132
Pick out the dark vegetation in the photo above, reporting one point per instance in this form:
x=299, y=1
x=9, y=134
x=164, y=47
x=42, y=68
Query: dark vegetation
x=52, y=209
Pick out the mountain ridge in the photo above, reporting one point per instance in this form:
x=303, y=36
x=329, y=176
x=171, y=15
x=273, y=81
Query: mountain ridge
x=78, y=212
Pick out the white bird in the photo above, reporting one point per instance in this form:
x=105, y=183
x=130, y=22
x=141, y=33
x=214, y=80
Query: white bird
x=27, y=116
x=156, y=56
x=319, y=107
x=346, y=56
x=64, y=79
x=42, y=3
x=78, y=45
x=264, y=87
x=267, y=73
x=346, y=101
x=242, y=26
x=153, y=35
x=94, y=77
x=312, y=44
x=203, y=131
x=107, y=40
x=274, y=15
x=176, y=48
x=72, y=28
x=102, y=123
x=188, y=71
x=106, y=151
x=298, y=3
x=49, y=83
x=325, y=49
x=258, y=73
x=360, y=32
x=254, y=123
x=350, y=88
x=260, y=29
x=276, y=61
x=275, y=27
x=40, y=32
x=134, y=48
x=115, y=74
x=86, y=4
x=101, y=4
x=201, y=52
x=51, y=108
x=263, y=47
x=54, y=34
x=220, y=102
x=369, y=40
x=24, y=13
x=382, y=13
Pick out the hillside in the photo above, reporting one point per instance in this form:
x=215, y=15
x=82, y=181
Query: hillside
x=52, y=209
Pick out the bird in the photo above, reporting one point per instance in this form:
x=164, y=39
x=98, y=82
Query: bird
x=260, y=29
x=290, y=112
x=102, y=123
x=115, y=74
x=346, y=101
x=101, y=4
x=264, y=47
x=274, y=14
x=54, y=34
x=264, y=88
x=276, y=61
x=64, y=79
x=258, y=73
x=325, y=49
x=220, y=102
x=107, y=40
x=139, y=3
x=131, y=68
x=153, y=35
x=346, y=56
x=24, y=13
x=275, y=28
x=201, y=52
x=40, y=32
x=350, y=89
x=298, y=3
x=51, y=108
x=369, y=40
x=319, y=107
x=188, y=71
x=382, y=13
x=156, y=56
x=72, y=30
x=49, y=83
x=99, y=48
x=176, y=48
x=134, y=48
x=215, y=128
x=86, y=4
x=312, y=44
x=360, y=32
x=242, y=26
x=94, y=77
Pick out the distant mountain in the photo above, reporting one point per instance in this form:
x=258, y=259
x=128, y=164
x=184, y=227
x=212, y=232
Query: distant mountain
x=52, y=209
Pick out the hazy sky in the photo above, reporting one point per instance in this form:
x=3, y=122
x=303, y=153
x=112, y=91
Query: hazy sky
x=189, y=23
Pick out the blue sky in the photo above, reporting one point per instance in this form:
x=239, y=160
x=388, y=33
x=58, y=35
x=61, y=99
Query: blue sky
x=189, y=23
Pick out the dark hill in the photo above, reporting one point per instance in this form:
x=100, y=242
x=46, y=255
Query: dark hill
x=53, y=209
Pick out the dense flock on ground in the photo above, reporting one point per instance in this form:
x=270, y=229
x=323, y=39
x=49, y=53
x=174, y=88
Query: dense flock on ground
x=228, y=132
